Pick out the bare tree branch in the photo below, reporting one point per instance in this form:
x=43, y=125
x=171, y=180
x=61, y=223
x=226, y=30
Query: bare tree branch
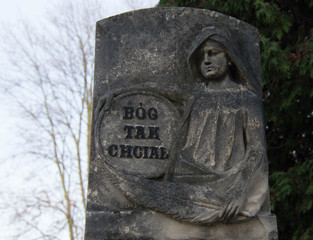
x=51, y=83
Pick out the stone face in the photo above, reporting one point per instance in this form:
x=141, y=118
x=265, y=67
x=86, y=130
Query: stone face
x=178, y=143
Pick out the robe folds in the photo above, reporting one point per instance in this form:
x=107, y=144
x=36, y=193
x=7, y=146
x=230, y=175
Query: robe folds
x=224, y=144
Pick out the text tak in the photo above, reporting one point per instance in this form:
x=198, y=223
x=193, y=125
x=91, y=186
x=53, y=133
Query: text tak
x=140, y=132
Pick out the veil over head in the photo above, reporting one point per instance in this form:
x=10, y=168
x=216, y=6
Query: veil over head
x=244, y=74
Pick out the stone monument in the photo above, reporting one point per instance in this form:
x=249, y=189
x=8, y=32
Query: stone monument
x=178, y=144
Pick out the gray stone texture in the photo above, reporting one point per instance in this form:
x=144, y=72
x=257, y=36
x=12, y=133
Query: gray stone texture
x=178, y=143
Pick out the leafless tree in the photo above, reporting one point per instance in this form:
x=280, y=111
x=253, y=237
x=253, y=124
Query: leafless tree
x=50, y=81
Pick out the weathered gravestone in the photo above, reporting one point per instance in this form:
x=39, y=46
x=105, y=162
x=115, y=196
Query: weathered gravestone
x=178, y=148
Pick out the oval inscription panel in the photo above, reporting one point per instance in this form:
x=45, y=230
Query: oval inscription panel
x=136, y=133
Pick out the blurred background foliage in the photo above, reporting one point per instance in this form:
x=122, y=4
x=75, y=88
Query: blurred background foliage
x=286, y=44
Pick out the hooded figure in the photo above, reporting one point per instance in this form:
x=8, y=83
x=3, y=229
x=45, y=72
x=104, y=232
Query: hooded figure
x=222, y=144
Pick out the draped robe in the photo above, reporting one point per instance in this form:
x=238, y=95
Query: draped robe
x=225, y=145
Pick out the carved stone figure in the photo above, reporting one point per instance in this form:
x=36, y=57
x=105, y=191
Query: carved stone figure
x=218, y=161
x=224, y=147
x=178, y=148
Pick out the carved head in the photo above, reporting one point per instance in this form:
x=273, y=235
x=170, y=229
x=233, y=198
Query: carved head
x=213, y=61
x=213, y=54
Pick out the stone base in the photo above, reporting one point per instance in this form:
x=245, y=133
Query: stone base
x=152, y=225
